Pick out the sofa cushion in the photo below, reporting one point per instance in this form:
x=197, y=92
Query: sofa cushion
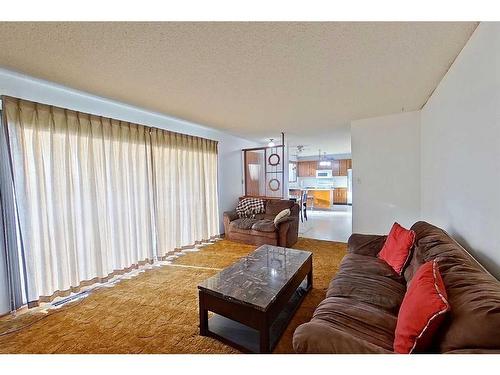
x=275, y=206
x=265, y=225
x=356, y=263
x=422, y=311
x=243, y=223
x=371, y=283
x=318, y=338
x=397, y=247
x=365, y=244
x=349, y=326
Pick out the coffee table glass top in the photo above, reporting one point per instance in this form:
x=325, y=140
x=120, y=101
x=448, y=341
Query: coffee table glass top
x=257, y=278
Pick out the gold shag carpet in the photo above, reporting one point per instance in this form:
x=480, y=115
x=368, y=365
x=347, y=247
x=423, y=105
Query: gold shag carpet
x=157, y=311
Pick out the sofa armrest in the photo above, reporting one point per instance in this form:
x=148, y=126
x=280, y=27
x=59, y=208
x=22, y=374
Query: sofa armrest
x=365, y=244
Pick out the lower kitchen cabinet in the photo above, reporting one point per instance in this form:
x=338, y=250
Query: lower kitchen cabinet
x=340, y=196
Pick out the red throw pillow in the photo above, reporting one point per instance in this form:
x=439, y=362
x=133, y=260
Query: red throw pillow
x=422, y=311
x=397, y=247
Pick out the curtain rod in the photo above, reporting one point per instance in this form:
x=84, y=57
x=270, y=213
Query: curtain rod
x=100, y=116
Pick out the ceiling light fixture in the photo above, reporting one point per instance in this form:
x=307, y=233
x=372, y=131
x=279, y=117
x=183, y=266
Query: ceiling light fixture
x=271, y=143
x=323, y=161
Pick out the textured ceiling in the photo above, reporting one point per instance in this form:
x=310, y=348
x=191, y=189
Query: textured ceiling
x=251, y=79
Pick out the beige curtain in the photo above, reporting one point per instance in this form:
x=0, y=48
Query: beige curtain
x=185, y=173
x=99, y=196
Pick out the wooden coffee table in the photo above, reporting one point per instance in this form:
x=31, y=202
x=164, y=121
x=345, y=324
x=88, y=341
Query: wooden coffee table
x=254, y=299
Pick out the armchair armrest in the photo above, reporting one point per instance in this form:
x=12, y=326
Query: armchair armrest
x=365, y=244
x=288, y=231
x=228, y=217
x=231, y=215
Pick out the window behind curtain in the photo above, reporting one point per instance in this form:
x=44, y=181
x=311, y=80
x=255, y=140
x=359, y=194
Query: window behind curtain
x=98, y=196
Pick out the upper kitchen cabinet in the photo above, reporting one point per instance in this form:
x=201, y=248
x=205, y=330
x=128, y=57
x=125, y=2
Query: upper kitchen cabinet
x=336, y=167
x=302, y=169
x=341, y=166
x=307, y=168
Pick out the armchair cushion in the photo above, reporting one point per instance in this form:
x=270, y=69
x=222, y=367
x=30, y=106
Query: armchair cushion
x=282, y=215
x=243, y=223
x=264, y=225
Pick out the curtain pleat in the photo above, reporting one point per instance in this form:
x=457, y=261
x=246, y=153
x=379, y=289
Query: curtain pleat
x=186, y=189
x=98, y=196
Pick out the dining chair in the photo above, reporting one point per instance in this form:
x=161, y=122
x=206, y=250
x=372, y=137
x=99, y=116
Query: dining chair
x=303, y=208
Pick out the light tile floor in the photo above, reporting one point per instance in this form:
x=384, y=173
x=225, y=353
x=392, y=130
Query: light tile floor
x=334, y=225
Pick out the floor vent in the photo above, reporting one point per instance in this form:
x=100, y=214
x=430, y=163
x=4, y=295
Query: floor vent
x=70, y=299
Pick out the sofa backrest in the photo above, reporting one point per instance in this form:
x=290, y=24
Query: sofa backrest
x=275, y=206
x=473, y=293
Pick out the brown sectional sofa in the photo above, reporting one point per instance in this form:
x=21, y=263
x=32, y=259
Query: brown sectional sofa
x=261, y=229
x=359, y=313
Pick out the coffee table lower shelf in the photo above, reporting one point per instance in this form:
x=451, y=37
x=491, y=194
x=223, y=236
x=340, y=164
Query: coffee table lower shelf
x=248, y=339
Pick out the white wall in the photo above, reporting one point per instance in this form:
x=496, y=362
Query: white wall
x=461, y=149
x=386, y=172
x=230, y=163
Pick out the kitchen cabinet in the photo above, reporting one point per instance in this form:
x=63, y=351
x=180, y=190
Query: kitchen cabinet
x=313, y=165
x=340, y=196
x=302, y=169
x=341, y=166
x=307, y=168
x=336, y=167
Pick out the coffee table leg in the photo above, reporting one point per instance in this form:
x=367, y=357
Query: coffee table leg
x=310, y=279
x=203, y=315
x=264, y=335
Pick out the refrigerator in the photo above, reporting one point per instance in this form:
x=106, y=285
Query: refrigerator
x=349, y=186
